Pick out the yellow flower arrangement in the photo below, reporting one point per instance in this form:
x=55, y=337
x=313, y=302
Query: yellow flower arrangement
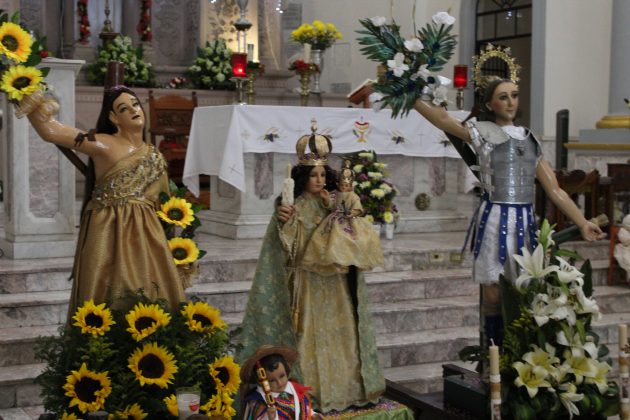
x=133, y=412
x=153, y=365
x=177, y=211
x=219, y=405
x=319, y=34
x=144, y=320
x=184, y=250
x=203, y=318
x=225, y=373
x=87, y=390
x=20, y=81
x=93, y=319
x=15, y=42
x=70, y=416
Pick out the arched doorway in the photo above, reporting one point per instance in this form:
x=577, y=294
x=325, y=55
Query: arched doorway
x=508, y=23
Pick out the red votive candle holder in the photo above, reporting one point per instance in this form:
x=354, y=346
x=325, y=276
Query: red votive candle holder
x=239, y=64
x=460, y=76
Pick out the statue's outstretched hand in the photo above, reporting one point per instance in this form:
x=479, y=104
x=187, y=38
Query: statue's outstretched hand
x=591, y=232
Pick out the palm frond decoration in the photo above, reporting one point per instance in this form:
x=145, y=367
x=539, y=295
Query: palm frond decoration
x=409, y=77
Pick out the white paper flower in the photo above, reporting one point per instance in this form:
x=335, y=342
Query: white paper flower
x=533, y=265
x=378, y=20
x=443, y=81
x=422, y=73
x=414, y=45
x=397, y=65
x=443, y=18
x=440, y=95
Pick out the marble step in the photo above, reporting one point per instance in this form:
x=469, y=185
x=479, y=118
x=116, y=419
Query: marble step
x=22, y=413
x=17, y=388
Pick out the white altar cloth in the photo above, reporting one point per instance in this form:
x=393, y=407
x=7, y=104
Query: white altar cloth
x=220, y=135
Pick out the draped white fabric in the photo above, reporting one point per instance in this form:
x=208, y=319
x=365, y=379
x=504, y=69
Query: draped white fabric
x=221, y=134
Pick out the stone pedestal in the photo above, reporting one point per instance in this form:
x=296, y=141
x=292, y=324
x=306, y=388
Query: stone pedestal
x=39, y=194
x=239, y=215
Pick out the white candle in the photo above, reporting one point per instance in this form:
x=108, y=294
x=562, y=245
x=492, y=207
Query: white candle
x=250, y=52
x=307, y=53
x=494, y=359
x=289, y=167
x=623, y=336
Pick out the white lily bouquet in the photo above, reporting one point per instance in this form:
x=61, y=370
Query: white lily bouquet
x=552, y=363
x=411, y=63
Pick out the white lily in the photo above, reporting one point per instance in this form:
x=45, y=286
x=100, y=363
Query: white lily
x=600, y=379
x=539, y=357
x=568, y=273
x=397, y=65
x=579, y=365
x=585, y=305
x=378, y=20
x=443, y=18
x=531, y=377
x=569, y=397
x=414, y=45
x=577, y=348
x=533, y=264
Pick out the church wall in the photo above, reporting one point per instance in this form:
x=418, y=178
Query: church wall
x=577, y=62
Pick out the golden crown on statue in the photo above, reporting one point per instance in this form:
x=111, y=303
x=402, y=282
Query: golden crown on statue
x=480, y=63
x=319, y=146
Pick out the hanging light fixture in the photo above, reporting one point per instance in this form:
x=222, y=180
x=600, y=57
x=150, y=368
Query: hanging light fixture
x=504, y=4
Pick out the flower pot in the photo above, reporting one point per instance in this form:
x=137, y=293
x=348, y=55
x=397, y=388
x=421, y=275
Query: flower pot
x=389, y=231
x=377, y=228
x=317, y=58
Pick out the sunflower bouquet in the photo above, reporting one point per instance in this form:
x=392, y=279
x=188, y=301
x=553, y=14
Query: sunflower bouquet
x=19, y=54
x=411, y=63
x=179, y=222
x=319, y=34
x=137, y=71
x=130, y=363
x=376, y=193
x=552, y=364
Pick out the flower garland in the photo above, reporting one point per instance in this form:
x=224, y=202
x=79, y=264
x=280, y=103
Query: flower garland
x=129, y=363
x=411, y=63
x=84, y=21
x=144, y=26
x=552, y=361
x=299, y=67
x=376, y=193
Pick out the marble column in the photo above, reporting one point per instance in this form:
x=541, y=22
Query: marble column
x=39, y=183
x=618, y=113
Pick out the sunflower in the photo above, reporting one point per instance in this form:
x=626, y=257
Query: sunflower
x=19, y=81
x=225, y=374
x=177, y=211
x=202, y=317
x=219, y=405
x=87, y=389
x=184, y=250
x=70, y=416
x=171, y=405
x=144, y=320
x=153, y=365
x=93, y=319
x=15, y=42
x=133, y=412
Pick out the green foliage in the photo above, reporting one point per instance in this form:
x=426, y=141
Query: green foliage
x=137, y=71
x=212, y=69
x=382, y=43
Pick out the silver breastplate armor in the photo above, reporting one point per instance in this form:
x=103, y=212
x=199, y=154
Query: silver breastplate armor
x=513, y=166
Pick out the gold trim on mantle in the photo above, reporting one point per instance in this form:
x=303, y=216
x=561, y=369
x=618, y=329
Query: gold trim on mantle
x=614, y=121
x=597, y=146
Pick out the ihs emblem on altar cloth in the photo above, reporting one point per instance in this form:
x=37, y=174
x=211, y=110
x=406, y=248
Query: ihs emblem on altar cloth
x=361, y=130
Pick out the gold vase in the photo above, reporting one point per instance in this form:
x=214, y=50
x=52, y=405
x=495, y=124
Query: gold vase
x=305, y=87
x=251, y=92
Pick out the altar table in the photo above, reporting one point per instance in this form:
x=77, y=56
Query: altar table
x=246, y=148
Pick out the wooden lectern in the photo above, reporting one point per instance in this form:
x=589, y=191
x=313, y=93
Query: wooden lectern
x=361, y=95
